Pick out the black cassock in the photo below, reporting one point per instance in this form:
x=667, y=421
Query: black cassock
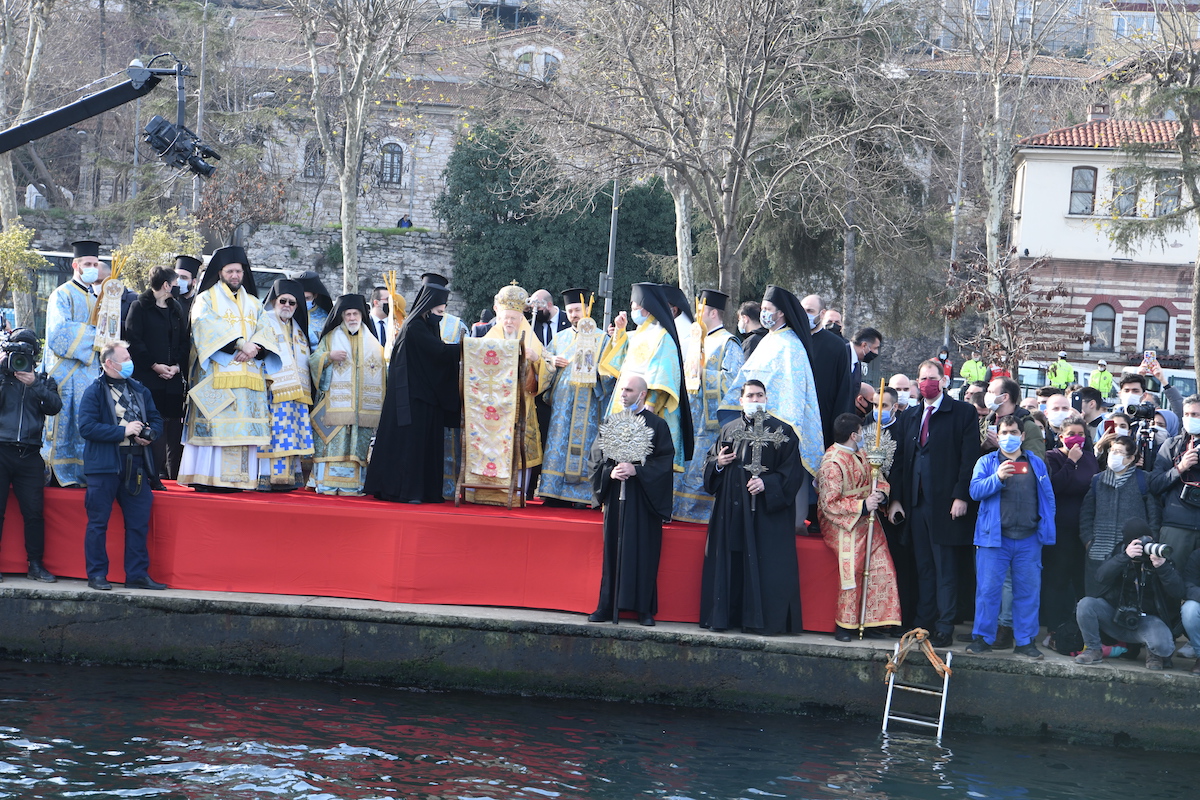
x=422, y=398
x=830, y=361
x=638, y=520
x=751, y=578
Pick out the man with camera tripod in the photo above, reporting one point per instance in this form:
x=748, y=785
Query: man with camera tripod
x=1137, y=599
x=26, y=399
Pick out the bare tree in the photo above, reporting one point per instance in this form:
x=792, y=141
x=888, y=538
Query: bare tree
x=729, y=99
x=352, y=46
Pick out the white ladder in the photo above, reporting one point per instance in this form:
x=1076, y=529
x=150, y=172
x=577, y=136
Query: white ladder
x=910, y=718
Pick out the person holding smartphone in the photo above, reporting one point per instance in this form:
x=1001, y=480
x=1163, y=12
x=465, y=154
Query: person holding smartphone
x=1015, y=520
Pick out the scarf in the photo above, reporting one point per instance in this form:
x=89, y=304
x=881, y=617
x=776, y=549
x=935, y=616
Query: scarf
x=290, y=380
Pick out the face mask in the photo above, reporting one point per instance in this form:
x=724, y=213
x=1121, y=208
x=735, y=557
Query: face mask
x=1121, y=431
x=930, y=389
x=767, y=318
x=750, y=408
x=1132, y=399
x=127, y=369
x=1192, y=425
x=852, y=443
x=942, y=356
x=741, y=327
x=1009, y=442
x=1057, y=418
x=1042, y=407
x=869, y=357
x=812, y=320
x=183, y=284
x=1117, y=463
x=639, y=317
x=886, y=419
x=89, y=274
x=903, y=396
x=991, y=402
x=1073, y=441
x=837, y=328
x=309, y=303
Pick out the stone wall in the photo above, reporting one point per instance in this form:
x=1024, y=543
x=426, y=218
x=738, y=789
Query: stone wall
x=56, y=231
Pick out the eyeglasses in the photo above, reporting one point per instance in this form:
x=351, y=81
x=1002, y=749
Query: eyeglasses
x=284, y=302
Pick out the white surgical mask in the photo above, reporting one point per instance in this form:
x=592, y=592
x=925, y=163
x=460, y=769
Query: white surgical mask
x=767, y=318
x=1132, y=399
x=741, y=326
x=639, y=317
x=1057, y=418
x=991, y=402
x=903, y=396
x=812, y=320
x=1121, y=430
x=1117, y=463
x=750, y=408
x=183, y=284
x=1192, y=425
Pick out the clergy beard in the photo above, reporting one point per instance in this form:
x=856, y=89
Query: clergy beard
x=233, y=287
x=285, y=312
x=514, y=335
x=353, y=327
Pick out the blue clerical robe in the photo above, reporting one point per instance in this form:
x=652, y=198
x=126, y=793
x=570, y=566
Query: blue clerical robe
x=575, y=412
x=71, y=360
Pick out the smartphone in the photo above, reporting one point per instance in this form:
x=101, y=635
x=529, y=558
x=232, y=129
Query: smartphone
x=1020, y=467
x=1110, y=425
x=1149, y=359
x=993, y=429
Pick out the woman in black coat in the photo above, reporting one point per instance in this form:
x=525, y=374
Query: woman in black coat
x=158, y=344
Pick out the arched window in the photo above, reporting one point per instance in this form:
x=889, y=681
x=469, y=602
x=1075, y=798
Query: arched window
x=1104, y=323
x=1083, y=190
x=1154, y=331
x=314, y=160
x=391, y=163
x=541, y=65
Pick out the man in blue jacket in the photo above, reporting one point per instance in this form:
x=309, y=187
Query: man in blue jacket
x=1016, y=518
x=118, y=421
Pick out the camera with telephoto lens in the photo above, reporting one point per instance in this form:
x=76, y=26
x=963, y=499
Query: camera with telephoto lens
x=21, y=350
x=1141, y=411
x=1153, y=548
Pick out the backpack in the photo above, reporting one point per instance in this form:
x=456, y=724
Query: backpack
x=1067, y=639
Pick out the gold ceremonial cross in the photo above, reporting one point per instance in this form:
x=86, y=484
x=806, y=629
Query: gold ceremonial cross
x=758, y=438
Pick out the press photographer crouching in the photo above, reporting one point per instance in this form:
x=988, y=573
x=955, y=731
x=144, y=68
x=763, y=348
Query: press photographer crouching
x=118, y=422
x=26, y=399
x=1137, y=599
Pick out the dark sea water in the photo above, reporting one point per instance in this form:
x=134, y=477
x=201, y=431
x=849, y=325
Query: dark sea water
x=98, y=732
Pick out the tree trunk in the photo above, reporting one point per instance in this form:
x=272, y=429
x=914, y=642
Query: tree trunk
x=683, y=231
x=849, y=268
x=729, y=267
x=1195, y=305
x=348, y=182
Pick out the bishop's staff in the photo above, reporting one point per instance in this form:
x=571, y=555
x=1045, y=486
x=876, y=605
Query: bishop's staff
x=626, y=439
x=880, y=456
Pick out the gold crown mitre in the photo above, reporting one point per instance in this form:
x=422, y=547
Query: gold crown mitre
x=511, y=298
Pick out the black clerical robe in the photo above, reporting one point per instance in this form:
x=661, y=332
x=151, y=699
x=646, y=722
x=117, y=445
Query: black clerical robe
x=751, y=577
x=421, y=399
x=830, y=361
x=635, y=522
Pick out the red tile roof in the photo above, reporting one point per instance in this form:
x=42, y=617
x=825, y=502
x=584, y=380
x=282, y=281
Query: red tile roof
x=1108, y=134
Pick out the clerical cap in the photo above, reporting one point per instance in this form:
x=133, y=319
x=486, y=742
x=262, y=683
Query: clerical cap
x=287, y=286
x=222, y=258
x=652, y=298
x=511, y=298
x=794, y=313
x=676, y=297
x=433, y=277
x=570, y=296
x=714, y=299
x=312, y=282
x=86, y=248
x=347, y=302
x=192, y=265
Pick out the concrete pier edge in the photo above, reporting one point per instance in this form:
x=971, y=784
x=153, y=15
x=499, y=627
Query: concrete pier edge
x=521, y=651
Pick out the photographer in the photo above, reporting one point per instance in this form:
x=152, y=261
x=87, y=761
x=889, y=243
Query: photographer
x=1176, y=483
x=1137, y=599
x=1191, y=606
x=26, y=399
x=118, y=421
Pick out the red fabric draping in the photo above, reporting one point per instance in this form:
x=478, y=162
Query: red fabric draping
x=301, y=543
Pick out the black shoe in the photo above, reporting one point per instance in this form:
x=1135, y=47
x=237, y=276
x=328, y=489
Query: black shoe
x=38, y=573
x=874, y=633
x=99, y=584
x=941, y=639
x=145, y=582
x=157, y=485
x=600, y=616
x=964, y=637
x=646, y=619
x=978, y=647
x=842, y=634
x=1030, y=651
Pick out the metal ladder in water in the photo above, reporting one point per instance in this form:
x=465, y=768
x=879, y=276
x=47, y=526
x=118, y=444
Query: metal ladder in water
x=910, y=718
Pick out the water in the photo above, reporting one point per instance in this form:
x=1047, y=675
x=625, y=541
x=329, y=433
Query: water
x=91, y=732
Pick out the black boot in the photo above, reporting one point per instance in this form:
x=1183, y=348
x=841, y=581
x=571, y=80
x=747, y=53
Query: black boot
x=38, y=573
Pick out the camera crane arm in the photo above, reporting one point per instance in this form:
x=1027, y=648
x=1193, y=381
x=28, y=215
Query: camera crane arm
x=176, y=145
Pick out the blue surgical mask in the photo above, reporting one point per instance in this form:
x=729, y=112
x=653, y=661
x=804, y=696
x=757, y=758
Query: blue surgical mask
x=183, y=284
x=1192, y=425
x=812, y=320
x=127, y=369
x=639, y=317
x=309, y=303
x=886, y=419
x=767, y=318
x=741, y=327
x=1009, y=442
x=89, y=274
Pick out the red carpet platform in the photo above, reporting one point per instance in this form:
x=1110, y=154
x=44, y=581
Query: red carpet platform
x=304, y=544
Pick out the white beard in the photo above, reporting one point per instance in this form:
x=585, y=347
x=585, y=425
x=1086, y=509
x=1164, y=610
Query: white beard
x=514, y=335
x=353, y=326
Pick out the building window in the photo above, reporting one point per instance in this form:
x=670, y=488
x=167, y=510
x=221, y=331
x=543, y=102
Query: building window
x=541, y=65
x=1125, y=195
x=1104, y=324
x=1134, y=25
x=391, y=164
x=1154, y=331
x=1083, y=190
x=314, y=160
x=1167, y=191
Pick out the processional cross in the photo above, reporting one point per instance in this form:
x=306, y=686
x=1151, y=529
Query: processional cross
x=758, y=437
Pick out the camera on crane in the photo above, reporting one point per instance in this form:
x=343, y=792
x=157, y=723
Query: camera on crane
x=180, y=148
